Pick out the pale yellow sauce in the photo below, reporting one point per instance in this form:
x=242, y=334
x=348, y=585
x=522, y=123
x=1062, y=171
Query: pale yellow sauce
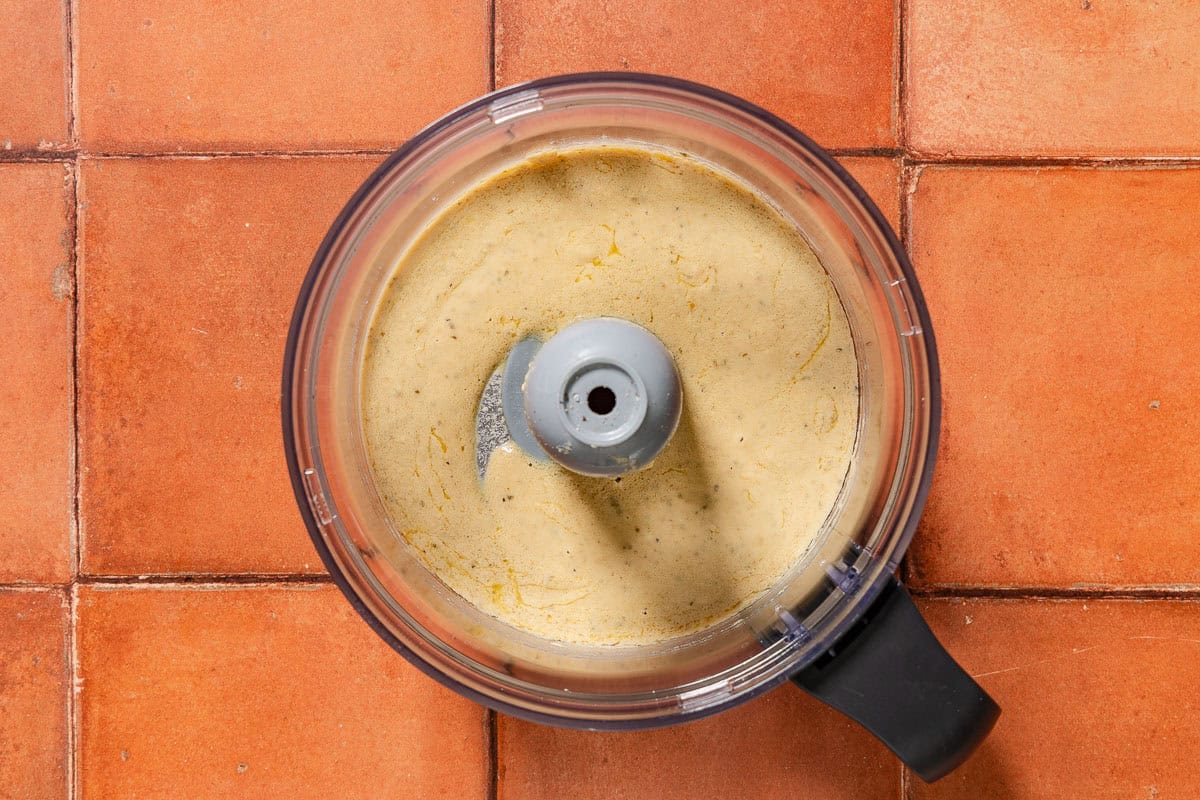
x=770, y=399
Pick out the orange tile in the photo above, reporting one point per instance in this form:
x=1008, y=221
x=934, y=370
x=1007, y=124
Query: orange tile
x=34, y=681
x=33, y=83
x=784, y=745
x=285, y=75
x=190, y=269
x=880, y=178
x=254, y=692
x=1078, y=77
x=1099, y=698
x=1064, y=302
x=35, y=347
x=826, y=66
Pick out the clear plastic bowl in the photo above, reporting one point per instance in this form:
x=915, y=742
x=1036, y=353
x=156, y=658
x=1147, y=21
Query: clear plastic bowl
x=800, y=617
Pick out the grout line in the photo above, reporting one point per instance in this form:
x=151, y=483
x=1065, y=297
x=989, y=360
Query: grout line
x=28, y=156
x=910, y=174
x=37, y=156
x=32, y=588
x=914, y=159
x=493, y=776
x=70, y=20
x=199, y=586
x=905, y=778
x=72, y=14
x=75, y=534
x=1033, y=162
x=905, y=187
x=192, y=579
x=75, y=328
x=203, y=155
x=900, y=98
x=491, y=45
x=953, y=592
x=74, y=686
x=865, y=152
x=197, y=579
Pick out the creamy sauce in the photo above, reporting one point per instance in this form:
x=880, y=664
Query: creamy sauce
x=770, y=398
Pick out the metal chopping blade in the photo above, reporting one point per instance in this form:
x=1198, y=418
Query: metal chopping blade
x=501, y=414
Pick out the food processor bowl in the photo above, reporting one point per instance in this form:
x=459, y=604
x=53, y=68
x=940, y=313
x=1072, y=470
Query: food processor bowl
x=837, y=623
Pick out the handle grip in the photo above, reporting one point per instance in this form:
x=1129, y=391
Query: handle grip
x=891, y=675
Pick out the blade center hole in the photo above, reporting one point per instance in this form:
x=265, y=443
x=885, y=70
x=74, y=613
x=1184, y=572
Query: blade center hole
x=601, y=400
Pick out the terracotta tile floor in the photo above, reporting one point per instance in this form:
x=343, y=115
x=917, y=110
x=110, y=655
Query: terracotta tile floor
x=165, y=628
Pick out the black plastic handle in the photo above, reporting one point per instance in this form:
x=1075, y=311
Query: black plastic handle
x=891, y=675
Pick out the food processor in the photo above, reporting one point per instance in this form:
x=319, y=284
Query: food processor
x=601, y=398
